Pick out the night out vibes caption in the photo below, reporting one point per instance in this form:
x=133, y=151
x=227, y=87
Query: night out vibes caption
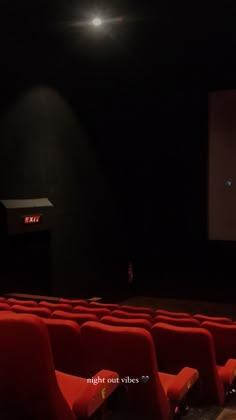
x=126, y=380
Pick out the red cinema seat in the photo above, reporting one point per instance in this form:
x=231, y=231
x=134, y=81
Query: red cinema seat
x=130, y=322
x=181, y=322
x=4, y=306
x=224, y=337
x=172, y=314
x=180, y=346
x=42, y=312
x=110, y=306
x=99, y=312
x=2, y=299
x=139, y=309
x=22, y=302
x=30, y=388
x=221, y=320
x=131, y=352
x=79, y=318
x=6, y=313
x=132, y=315
x=65, y=341
x=74, y=302
x=56, y=306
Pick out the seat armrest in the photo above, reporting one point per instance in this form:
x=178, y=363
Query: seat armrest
x=227, y=372
x=93, y=396
x=182, y=383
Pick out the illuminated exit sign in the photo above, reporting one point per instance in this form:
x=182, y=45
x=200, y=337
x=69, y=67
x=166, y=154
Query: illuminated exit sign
x=32, y=219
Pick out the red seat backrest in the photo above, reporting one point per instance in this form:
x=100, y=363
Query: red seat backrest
x=221, y=320
x=172, y=314
x=177, y=347
x=28, y=386
x=4, y=306
x=141, y=309
x=99, y=312
x=56, y=306
x=132, y=315
x=110, y=306
x=25, y=302
x=65, y=340
x=181, y=322
x=130, y=352
x=42, y=312
x=127, y=322
x=74, y=302
x=224, y=337
x=5, y=313
x=79, y=318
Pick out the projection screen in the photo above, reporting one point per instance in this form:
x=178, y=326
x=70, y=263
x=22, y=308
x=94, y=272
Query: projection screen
x=222, y=165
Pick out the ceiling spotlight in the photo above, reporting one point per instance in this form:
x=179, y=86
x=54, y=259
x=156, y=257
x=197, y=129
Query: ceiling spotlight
x=97, y=21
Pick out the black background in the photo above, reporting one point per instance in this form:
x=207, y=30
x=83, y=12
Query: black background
x=112, y=128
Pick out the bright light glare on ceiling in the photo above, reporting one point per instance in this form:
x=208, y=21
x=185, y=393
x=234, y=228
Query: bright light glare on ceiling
x=97, y=21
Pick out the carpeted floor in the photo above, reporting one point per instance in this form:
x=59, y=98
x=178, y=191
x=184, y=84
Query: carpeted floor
x=228, y=412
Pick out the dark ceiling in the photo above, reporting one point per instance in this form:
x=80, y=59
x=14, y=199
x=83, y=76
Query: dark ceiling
x=170, y=40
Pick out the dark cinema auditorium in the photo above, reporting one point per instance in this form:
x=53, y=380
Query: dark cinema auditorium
x=117, y=210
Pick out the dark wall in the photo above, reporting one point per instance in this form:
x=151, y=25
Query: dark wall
x=113, y=130
x=128, y=182
x=45, y=153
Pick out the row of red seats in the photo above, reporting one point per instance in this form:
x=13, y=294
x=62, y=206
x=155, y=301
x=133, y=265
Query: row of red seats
x=71, y=305
x=27, y=370
x=115, y=320
x=193, y=347
x=81, y=315
x=204, y=349
x=101, y=310
x=225, y=346
x=31, y=388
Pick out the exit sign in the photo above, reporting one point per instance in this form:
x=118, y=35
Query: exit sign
x=32, y=219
